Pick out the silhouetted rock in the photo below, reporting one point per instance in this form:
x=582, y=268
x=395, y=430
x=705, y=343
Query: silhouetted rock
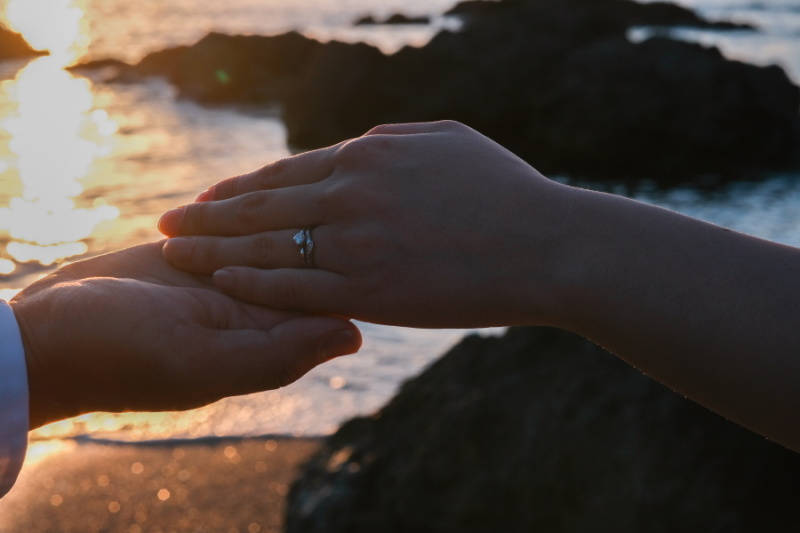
x=111, y=70
x=556, y=81
x=243, y=68
x=396, y=19
x=366, y=20
x=542, y=430
x=14, y=46
x=626, y=12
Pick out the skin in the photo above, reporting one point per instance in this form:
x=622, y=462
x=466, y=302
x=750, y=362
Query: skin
x=434, y=225
x=126, y=331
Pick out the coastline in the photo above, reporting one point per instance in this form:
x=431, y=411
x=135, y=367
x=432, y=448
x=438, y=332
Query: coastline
x=221, y=484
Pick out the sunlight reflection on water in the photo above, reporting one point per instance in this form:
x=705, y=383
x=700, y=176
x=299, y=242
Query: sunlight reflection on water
x=53, y=142
x=53, y=134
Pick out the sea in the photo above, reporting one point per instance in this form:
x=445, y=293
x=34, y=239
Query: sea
x=87, y=167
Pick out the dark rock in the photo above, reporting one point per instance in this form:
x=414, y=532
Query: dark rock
x=111, y=70
x=235, y=69
x=99, y=64
x=543, y=431
x=14, y=46
x=556, y=81
x=396, y=19
x=399, y=18
x=628, y=13
x=366, y=20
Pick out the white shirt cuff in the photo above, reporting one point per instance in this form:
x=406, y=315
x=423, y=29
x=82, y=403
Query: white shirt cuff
x=13, y=399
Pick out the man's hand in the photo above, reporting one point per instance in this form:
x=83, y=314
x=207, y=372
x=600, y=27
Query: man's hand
x=126, y=331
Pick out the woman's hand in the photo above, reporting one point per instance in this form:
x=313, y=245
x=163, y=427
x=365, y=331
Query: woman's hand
x=126, y=331
x=435, y=225
x=428, y=225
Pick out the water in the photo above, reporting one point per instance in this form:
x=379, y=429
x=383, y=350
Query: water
x=130, y=152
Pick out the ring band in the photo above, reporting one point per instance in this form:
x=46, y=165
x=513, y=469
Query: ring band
x=305, y=244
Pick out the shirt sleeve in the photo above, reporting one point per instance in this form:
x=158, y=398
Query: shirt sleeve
x=13, y=399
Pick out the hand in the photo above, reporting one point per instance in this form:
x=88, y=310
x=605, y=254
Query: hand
x=415, y=224
x=126, y=331
x=435, y=225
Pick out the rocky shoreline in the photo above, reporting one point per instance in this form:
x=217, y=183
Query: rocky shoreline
x=556, y=81
x=541, y=430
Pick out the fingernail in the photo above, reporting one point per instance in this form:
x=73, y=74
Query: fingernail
x=223, y=279
x=179, y=249
x=171, y=221
x=339, y=344
x=205, y=196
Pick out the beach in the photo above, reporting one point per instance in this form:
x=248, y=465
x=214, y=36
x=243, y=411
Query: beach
x=147, y=151
x=227, y=485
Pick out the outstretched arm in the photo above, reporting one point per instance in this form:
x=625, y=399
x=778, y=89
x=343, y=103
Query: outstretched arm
x=433, y=225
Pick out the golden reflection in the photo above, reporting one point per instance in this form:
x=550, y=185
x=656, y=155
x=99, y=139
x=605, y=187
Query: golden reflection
x=58, y=26
x=54, y=135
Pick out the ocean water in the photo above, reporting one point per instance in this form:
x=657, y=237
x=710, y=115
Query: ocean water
x=123, y=154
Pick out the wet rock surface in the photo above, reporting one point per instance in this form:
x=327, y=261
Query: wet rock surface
x=542, y=430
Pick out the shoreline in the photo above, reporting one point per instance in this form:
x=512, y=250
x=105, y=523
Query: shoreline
x=227, y=484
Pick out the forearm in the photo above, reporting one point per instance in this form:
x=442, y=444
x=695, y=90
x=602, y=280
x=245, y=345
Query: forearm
x=709, y=312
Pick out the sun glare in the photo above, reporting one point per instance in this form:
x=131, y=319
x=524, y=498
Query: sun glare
x=58, y=26
x=54, y=135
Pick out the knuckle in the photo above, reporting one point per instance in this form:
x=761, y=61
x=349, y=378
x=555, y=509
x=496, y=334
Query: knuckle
x=250, y=209
x=205, y=252
x=225, y=188
x=336, y=193
x=264, y=177
x=363, y=150
x=268, y=172
x=380, y=128
x=452, y=125
x=262, y=250
x=193, y=218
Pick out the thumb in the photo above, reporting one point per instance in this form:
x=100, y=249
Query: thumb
x=254, y=361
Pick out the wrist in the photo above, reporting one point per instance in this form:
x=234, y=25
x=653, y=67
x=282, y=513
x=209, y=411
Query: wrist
x=548, y=260
x=43, y=390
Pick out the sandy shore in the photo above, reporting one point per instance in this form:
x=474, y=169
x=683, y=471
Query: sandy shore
x=230, y=485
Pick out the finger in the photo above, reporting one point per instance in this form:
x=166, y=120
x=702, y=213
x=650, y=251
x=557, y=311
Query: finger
x=246, y=214
x=245, y=361
x=308, y=167
x=272, y=249
x=309, y=290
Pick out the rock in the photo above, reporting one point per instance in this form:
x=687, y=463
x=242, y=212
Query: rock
x=235, y=69
x=396, y=19
x=14, y=46
x=543, y=431
x=366, y=20
x=628, y=13
x=556, y=81
x=111, y=70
